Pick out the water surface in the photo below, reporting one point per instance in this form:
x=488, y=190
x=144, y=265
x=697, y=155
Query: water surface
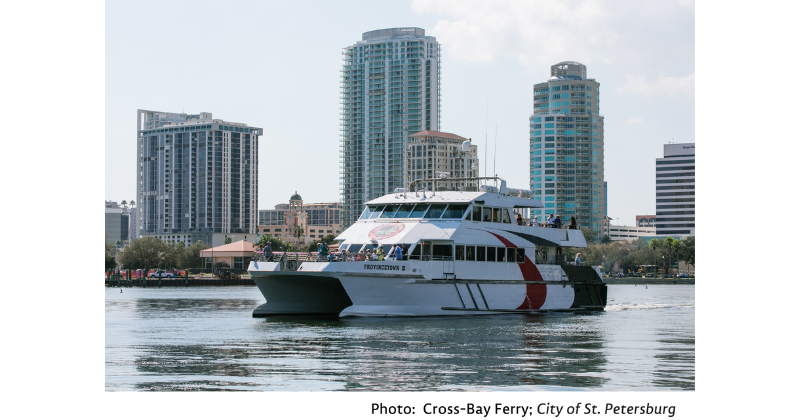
x=204, y=338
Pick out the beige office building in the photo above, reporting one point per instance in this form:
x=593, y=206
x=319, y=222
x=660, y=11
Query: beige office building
x=429, y=154
x=316, y=220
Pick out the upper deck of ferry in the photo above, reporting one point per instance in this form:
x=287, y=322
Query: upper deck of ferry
x=438, y=215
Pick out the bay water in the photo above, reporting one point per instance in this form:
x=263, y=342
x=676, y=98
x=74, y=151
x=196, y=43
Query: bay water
x=204, y=338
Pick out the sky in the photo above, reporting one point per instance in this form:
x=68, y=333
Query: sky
x=275, y=65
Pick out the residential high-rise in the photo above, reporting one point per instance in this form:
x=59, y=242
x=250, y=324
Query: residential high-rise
x=675, y=190
x=196, y=178
x=566, y=146
x=390, y=84
x=430, y=152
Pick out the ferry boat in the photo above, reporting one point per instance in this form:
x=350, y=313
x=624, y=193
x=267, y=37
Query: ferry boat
x=463, y=254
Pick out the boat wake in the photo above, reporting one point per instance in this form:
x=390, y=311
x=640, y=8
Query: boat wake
x=640, y=306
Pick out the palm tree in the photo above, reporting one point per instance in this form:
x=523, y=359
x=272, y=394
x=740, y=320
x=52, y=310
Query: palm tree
x=133, y=203
x=671, y=242
x=124, y=204
x=654, y=245
x=299, y=231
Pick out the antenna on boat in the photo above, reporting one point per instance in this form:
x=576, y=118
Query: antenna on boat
x=486, y=139
x=494, y=164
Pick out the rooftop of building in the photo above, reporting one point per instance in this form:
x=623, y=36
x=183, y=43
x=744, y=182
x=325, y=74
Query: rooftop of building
x=430, y=133
x=392, y=33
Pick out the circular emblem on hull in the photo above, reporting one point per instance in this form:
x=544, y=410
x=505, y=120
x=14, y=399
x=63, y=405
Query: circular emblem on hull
x=386, y=231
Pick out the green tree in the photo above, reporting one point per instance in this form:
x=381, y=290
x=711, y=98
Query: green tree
x=588, y=234
x=124, y=204
x=276, y=243
x=190, y=256
x=298, y=231
x=313, y=246
x=670, y=243
x=228, y=240
x=686, y=251
x=111, y=262
x=146, y=253
x=329, y=239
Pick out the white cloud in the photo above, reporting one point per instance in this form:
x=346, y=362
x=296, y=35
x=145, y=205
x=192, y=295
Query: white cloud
x=634, y=120
x=662, y=84
x=636, y=38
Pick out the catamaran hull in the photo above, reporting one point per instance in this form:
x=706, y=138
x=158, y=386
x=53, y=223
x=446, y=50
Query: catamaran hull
x=291, y=293
x=410, y=297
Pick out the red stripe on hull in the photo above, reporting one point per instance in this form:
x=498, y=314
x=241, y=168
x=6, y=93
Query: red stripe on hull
x=535, y=294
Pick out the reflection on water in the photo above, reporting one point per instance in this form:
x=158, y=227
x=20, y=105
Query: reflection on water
x=205, y=339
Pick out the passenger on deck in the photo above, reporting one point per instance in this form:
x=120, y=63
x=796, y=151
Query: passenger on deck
x=535, y=221
x=578, y=259
x=380, y=252
x=551, y=222
x=267, y=252
x=519, y=220
x=399, y=252
x=573, y=223
x=558, y=221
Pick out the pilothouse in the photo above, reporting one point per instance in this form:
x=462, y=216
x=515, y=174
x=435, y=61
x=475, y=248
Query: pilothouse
x=461, y=253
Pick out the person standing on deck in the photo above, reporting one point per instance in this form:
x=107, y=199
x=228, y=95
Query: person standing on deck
x=399, y=252
x=380, y=252
x=578, y=259
x=519, y=220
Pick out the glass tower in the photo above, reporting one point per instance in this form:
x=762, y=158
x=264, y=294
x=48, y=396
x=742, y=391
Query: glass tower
x=566, y=146
x=390, y=84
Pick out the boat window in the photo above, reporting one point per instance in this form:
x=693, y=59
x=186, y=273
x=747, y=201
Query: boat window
x=470, y=253
x=443, y=251
x=376, y=213
x=343, y=247
x=469, y=215
x=368, y=212
x=414, y=255
x=501, y=254
x=520, y=255
x=491, y=253
x=476, y=213
x=505, y=216
x=511, y=255
x=369, y=247
x=386, y=248
x=495, y=215
x=418, y=211
x=435, y=211
x=404, y=211
x=487, y=214
x=389, y=211
x=460, y=252
x=454, y=211
x=481, y=254
x=354, y=248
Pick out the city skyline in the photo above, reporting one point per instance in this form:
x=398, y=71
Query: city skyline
x=647, y=71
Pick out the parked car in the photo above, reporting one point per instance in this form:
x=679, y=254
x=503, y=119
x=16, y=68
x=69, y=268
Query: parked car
x=683, y=276
x=163, y=274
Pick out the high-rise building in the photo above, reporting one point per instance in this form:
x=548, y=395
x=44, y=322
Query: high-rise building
x=196, y=178
x=675, y=190
x=430, y=152
x=390, y=84
x=566, y=146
